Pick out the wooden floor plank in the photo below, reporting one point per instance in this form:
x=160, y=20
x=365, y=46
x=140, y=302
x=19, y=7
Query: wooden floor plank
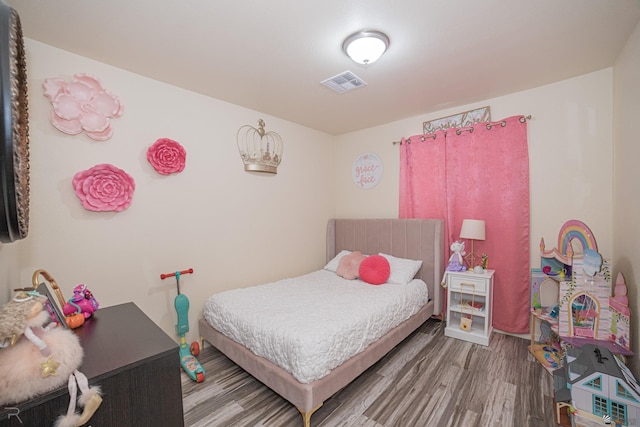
x=427, y=380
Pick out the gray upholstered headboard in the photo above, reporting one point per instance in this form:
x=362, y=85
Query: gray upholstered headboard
x=406, y=238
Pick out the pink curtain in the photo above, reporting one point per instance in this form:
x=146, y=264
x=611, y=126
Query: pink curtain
x=480, y=172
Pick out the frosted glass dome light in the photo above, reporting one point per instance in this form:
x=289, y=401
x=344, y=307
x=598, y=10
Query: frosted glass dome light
x=366, y=47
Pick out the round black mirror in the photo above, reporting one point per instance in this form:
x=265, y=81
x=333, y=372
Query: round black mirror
x=14, y=129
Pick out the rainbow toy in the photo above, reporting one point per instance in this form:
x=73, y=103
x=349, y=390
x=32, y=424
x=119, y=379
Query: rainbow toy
x=559, y=261
x=574, y=229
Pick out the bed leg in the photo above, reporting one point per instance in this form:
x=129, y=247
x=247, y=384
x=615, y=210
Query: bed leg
x=306, y=416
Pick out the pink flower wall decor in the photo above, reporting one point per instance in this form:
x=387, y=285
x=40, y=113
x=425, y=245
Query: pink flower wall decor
x=167, y=156
x=104, y=187
x=82, y=105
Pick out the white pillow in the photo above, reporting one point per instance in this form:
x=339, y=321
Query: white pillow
x=333, y=264
x=403, y=270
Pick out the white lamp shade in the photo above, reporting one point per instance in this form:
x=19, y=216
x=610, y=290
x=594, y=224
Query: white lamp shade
x=366, y=47
x=472, y=229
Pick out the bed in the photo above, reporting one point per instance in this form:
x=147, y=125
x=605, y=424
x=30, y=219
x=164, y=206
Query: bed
x=412, y=239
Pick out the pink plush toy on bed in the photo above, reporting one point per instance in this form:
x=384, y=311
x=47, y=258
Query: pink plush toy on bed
x=349, y=266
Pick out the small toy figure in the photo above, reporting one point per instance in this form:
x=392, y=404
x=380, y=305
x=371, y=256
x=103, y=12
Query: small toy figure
x=82, y=301
x=456, y=260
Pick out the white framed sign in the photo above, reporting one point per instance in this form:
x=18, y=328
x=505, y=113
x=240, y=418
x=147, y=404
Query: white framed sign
x=366, y=170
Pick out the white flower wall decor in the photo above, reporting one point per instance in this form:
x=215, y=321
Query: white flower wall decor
x=82, y=105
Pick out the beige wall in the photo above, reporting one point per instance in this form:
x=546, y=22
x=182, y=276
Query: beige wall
x=9, y=269
x=626, y=199
x=234, y=228
x=570, y=152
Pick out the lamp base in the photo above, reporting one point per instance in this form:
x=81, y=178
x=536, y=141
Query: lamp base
x=472, y=259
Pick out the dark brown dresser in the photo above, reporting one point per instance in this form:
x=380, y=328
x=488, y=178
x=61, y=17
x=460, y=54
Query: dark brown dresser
x=137, y=366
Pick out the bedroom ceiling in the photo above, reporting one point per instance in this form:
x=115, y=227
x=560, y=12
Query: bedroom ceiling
x=271, y=56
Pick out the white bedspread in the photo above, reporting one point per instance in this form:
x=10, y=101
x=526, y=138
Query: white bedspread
x=313, y=323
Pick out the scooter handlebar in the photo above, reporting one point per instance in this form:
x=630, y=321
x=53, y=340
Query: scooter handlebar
x=164, y=276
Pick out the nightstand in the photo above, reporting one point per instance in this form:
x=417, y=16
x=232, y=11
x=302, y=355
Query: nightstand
x=469, y=305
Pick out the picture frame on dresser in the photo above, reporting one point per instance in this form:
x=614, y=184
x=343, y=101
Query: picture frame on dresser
x=53, y=307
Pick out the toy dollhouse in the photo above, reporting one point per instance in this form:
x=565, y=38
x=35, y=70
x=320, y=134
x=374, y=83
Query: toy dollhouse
x=620, y=313
x=589, y=313
x=596, y=388
x=584, y=311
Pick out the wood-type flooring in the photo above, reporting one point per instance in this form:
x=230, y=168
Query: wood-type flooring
x=427, y=380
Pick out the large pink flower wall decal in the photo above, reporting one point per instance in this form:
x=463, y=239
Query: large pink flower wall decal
x=104, y=187
x=167, y=156
x=82, y=105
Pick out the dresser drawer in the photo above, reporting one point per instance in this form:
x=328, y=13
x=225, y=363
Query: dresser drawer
x=468, y=284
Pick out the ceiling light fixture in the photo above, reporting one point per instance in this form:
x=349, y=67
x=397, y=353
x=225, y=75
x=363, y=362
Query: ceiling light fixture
x=366, y=47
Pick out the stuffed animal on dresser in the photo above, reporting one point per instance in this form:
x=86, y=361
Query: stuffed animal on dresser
x=36, y=357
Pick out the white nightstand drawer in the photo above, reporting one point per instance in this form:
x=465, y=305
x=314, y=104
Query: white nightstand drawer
x=468, y=284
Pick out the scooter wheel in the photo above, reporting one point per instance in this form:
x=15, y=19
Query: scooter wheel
x=199, y=377
x=195, y=348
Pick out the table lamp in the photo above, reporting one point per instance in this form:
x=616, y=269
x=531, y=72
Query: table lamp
x=472, y=229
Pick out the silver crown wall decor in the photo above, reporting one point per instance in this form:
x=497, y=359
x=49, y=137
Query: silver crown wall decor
x=260, y=151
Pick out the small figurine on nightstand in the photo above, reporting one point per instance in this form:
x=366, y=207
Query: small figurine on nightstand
x=456, y=260
x=482, y=268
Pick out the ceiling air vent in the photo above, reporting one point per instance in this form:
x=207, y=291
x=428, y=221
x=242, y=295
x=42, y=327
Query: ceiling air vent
x=344, y=82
